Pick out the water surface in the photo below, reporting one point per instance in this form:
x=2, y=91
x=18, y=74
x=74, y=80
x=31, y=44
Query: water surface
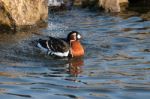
x=116, y=64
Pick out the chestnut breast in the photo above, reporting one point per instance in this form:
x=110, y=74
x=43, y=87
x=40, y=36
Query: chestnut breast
x=77, y=49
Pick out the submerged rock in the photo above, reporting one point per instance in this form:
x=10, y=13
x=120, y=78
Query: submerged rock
x=20, y=13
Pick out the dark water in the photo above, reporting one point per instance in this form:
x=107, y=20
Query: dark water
x=116, y=64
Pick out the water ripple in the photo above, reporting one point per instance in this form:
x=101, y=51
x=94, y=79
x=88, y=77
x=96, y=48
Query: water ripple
x=116, y=64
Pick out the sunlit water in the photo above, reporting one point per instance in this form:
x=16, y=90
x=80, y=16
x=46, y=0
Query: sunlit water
x=116, y=64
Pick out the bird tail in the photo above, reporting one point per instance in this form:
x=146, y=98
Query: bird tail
x=35, y=42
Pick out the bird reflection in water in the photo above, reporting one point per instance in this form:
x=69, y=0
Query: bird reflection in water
x=75, y=66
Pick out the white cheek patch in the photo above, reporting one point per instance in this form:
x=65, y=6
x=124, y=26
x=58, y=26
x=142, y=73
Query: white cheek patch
x=79, y=36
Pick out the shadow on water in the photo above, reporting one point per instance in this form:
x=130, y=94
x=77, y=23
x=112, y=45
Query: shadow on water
x=116, y=64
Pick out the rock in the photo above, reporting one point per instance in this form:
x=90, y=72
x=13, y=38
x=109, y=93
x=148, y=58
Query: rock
x=112, y=5
x=59, y=5
x=19, y=13
x=146, y=16
x=108, y=5
x=78, y=2
x=55, y=3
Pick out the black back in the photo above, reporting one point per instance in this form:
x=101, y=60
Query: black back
x=58, y=45
x=42, y=43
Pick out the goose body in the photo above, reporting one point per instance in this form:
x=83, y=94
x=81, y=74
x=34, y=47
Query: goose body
x=70, y=46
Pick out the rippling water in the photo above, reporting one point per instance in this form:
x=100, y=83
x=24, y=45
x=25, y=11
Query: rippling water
x=116, y=64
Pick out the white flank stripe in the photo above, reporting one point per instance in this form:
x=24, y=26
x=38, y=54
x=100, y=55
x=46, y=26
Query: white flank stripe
x=60, y=54
x=64, y=54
